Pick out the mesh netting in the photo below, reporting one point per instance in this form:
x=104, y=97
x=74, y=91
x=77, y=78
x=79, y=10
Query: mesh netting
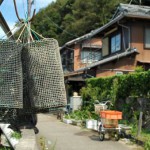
x=45, y=74
x=10, y=75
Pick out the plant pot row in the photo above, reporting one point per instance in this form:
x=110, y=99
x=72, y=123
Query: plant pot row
x=89, y=123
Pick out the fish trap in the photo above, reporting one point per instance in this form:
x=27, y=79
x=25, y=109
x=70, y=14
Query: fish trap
x=11, y=81
x=45, y=75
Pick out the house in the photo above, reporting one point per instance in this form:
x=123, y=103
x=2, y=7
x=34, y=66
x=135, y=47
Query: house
x=77, y=54
x=4, y=26
x=115, y=48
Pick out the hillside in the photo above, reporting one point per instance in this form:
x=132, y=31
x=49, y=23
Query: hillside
x=69, y=19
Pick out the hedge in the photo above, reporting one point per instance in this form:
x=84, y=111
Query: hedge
x=118, y=89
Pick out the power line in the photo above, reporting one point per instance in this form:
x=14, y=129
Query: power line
x=61, y=28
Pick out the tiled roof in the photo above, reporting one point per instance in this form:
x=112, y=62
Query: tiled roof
x=137, y=10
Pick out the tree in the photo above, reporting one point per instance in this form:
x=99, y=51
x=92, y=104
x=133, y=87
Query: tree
x=68, y=19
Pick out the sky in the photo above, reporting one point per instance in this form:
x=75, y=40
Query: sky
x=8, y=10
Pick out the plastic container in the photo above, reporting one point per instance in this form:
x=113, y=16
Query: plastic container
x=91, y=124
x=111, y=114
x=110, y=123
x=100, y=107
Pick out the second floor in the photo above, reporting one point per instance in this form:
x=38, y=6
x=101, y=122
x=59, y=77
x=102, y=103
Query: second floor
x=126, y=31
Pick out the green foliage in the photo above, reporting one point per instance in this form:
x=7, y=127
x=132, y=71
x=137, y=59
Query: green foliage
x=139, y=69
x=46, y=145
x=123, y=92
x=147, y=145
x=82, y=115
x=5, y=148
x=68, y=19
x=16, y=135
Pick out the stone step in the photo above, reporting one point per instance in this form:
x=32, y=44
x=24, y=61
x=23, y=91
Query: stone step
x=28, y=140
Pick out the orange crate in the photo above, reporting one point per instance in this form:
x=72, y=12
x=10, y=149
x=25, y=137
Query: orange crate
x=110, y=123
x=111, y=114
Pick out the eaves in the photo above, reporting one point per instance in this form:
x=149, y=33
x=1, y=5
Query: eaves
x=92, y=33
x=97, y=31
x=109, y=59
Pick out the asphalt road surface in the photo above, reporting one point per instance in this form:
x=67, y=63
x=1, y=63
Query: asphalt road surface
x=62, y=136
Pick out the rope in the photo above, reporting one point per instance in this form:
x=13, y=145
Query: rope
x=9, y=33
x=21, y=33
x=37, y=34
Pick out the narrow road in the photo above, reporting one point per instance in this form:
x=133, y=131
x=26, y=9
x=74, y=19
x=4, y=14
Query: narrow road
x=69, y=137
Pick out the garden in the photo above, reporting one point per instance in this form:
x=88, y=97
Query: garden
x=128, y=93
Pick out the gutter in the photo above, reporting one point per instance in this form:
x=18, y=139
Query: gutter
x=117, y=56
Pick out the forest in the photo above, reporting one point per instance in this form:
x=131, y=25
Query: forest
x=65, y=20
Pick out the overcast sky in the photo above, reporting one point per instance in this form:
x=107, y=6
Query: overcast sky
x=8, y=11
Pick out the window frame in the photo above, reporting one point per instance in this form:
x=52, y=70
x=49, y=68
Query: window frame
x=90, y=50
x=110, y=43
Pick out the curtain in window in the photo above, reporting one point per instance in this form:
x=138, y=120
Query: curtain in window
x=89, y=56
x=116, y=43
x=147, y=37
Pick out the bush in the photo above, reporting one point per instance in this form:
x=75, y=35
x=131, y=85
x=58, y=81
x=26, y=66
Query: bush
x=147, y=145
x=82, y=115
x=118, y=89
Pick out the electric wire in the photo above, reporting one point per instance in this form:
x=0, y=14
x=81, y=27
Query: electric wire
x=60, y=27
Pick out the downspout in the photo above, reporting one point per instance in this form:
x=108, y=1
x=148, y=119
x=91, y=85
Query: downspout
x=128, y=28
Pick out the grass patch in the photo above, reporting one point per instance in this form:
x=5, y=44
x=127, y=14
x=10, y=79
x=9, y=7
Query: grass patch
x=16, y=135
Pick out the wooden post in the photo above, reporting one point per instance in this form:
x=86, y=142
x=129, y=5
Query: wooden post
x=140, y=124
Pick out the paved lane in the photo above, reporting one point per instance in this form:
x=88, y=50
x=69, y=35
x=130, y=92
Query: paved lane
x=68, y=137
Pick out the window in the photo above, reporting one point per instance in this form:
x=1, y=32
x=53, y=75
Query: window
x=90, y=55
x=115, y=43
x=147, y=38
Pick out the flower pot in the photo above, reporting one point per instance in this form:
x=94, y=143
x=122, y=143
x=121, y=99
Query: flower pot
x=77, y=122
